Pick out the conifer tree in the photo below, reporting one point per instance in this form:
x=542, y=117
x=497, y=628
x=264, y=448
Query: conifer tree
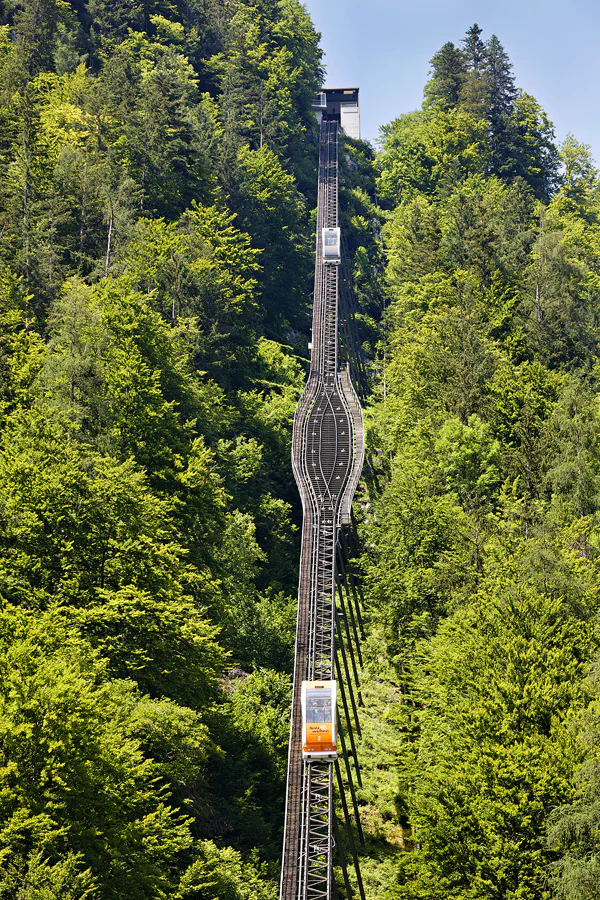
x=474, y=92
x=448, y=69
x=475, y=50
x=500, y=77
x=501, y=97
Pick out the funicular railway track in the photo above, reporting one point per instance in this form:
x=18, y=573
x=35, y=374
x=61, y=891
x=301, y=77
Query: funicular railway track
x=327, y=457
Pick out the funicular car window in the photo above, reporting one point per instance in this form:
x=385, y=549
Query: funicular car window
x=318, y=708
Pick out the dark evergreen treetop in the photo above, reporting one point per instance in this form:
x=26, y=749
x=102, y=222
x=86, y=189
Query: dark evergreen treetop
x=500, y=79
x=448, y=68
x=477, y=81
x=475, y=49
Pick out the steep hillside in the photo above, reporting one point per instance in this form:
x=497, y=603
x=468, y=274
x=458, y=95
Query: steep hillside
x=157, y=173
x=157, y=193
x=484, y=537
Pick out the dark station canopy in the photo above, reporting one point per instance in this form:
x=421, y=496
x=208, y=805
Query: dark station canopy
x=341, y=104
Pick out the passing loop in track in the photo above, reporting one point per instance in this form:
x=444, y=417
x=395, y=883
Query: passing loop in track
x=327, y=458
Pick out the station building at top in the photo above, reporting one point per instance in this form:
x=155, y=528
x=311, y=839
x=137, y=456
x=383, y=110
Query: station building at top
x=342, y=104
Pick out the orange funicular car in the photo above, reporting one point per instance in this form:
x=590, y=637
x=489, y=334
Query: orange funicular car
x=319, y=731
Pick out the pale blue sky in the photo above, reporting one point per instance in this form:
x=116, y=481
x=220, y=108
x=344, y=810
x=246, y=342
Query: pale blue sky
x=384, y=47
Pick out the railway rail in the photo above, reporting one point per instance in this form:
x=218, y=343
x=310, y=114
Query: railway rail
x=327, y=458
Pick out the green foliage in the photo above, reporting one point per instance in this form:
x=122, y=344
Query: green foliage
x=573, y=828
x=157, y=175
x=474, y=121
x=81, y=809
x=21, y=348
x=580, y=180
x=155, y=193
x=273, y=210
x=481, y=530
x=448, y=69
x=428, y=152
x=258, y=708
x=469, y=458
x=221, y=873
x=498, y=682
x=419, y=538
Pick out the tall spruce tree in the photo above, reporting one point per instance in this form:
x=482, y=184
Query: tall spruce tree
x=502, y=93
x=474, y=92
x=501, y=80
x=448, y=69
x=475, y=49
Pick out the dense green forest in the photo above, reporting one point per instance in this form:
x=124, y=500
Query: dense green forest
x=483, y=540
x=157, y=186
x=157, y=194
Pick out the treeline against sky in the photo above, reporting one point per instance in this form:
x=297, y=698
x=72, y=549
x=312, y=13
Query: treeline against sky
x=484, y=540
x=157, y=193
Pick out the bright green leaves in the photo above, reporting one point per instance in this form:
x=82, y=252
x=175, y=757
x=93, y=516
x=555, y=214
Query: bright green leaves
x=412, y=241
x=88, y=535
x=42, y=479
x=482, y=540
x=235, y=261
x=469, y=459
x=144, y=133
x=429, y=152
x=418, y=554
x=164, y=643
x=533, y=151
x=573, y=827
x=573, y=476
x=535, y=265
x=580, y=182
x=222, y=873
x=81, y=806
x=202, y=275
x=113, y=364
x=486, y=228
x=499, y=683
x=21, y=348
x=441, y=359
x=74, y=524
x=159, y=122
x=267, y=71
x=64, y=879
x=564, y=287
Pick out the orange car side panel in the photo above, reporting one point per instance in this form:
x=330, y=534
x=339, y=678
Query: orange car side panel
x=319, y=737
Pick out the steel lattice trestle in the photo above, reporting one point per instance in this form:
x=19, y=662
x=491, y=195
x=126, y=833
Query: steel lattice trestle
x=327, y=457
